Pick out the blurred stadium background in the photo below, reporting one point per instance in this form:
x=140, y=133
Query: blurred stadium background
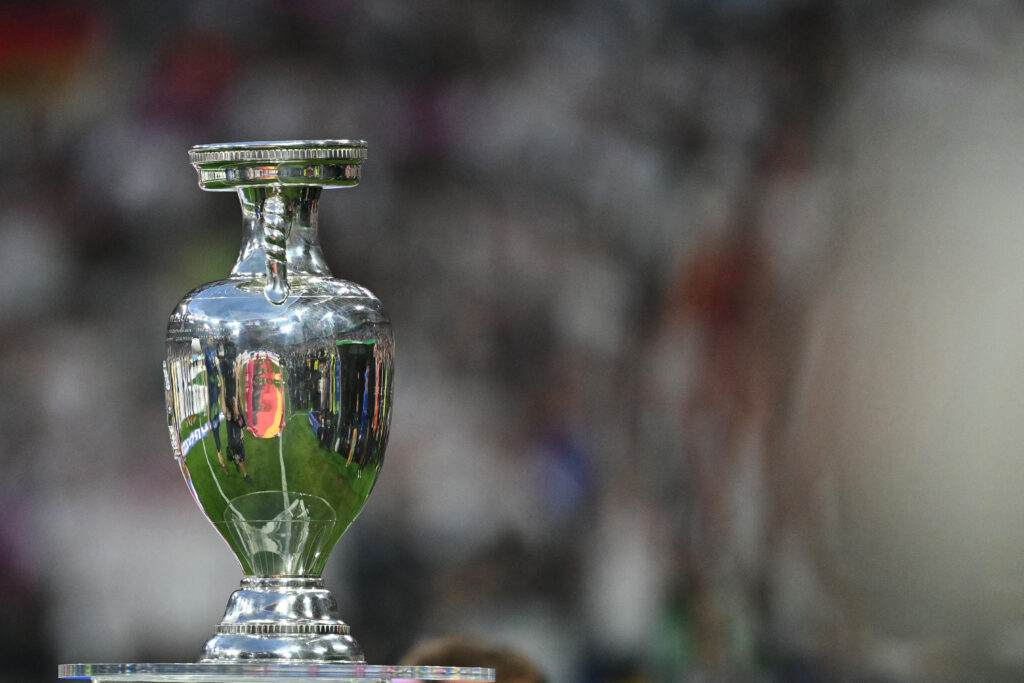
x=710, y=323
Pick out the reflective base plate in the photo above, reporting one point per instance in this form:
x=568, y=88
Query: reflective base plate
x=233, y=672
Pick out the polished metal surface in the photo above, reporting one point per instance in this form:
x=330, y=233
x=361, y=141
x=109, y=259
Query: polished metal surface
x=277, y=150
x=323, y=163
x=279, y=384
x=282, y=619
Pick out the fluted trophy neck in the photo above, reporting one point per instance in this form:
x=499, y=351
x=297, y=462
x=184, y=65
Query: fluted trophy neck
x=279, y=183
x=317, y=163
x=296, y=208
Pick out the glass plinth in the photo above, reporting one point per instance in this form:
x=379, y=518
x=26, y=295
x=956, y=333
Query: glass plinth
x=237, y=672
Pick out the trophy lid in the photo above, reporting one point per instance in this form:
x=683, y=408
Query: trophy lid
x=318, y=163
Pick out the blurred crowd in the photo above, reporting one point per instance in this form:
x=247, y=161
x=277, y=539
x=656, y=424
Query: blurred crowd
x=626, y=248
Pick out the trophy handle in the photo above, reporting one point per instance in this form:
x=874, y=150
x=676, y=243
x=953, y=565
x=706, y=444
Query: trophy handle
x=275, y=236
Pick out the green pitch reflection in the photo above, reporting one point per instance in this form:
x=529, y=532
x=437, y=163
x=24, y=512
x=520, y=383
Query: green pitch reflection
x=281, y=453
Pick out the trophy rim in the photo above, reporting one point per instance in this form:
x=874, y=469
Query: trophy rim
x=319, y=163
x=277, y=150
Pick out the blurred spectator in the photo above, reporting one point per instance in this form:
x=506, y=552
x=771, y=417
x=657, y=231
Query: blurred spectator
x=509, y=666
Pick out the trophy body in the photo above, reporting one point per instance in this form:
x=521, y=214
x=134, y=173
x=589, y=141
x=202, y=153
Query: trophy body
x=279, y=381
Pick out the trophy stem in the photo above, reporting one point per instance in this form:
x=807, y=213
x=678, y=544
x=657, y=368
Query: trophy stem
x=282, y=619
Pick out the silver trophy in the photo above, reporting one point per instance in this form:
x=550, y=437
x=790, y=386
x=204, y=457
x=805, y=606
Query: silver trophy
x=279, y=382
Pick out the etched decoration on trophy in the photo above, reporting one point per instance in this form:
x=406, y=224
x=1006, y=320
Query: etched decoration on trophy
x=278, y=383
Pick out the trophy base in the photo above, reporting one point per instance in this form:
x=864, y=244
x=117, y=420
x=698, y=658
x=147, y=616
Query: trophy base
x=240, y=672
x=283, y=620
x=276, y=629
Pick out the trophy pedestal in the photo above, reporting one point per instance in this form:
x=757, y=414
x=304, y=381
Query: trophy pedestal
x=282, y=619
x=237, y=672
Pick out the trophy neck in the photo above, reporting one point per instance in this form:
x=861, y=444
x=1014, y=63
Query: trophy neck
x=297, y=208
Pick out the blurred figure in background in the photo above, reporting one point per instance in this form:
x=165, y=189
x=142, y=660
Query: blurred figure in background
x=509, y=666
